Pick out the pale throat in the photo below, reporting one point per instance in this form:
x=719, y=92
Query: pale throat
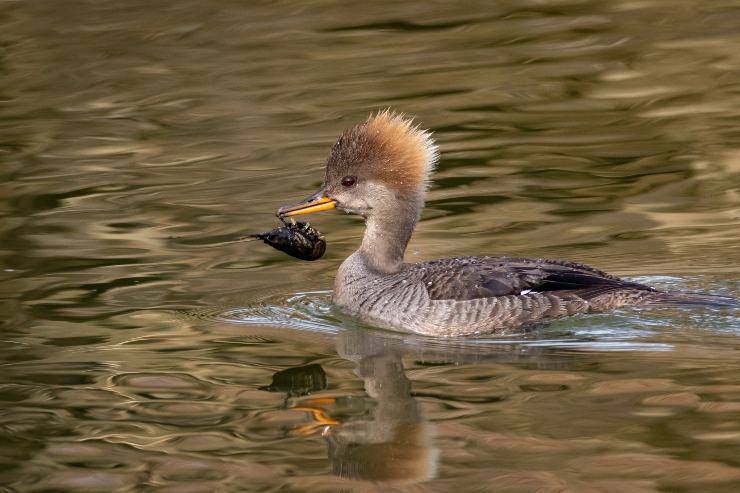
x=387, y=234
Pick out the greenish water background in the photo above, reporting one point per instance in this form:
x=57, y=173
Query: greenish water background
x=142, y=351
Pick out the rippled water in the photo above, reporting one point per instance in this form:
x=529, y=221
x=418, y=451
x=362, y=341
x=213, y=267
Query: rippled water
x=144, y=350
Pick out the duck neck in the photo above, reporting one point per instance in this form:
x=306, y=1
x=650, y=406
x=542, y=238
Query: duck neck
x=387, y=233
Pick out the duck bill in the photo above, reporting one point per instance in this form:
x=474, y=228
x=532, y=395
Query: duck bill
x=315, y=203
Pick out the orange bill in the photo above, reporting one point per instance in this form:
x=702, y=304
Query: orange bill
x=317, y=203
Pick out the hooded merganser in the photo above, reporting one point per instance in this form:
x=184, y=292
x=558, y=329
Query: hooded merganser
x=380, y=170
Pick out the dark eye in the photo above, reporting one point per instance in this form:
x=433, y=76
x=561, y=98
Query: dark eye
x=349, y=181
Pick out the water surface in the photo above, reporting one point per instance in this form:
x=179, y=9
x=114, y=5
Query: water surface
x=144, y=351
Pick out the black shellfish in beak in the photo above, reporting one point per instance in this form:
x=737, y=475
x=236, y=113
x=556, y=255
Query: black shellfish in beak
x=299, y=240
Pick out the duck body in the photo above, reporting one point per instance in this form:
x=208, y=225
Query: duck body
x=380, y=170
x=463, y=296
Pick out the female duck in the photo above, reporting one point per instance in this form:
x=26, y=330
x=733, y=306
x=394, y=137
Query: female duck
x=380, y=170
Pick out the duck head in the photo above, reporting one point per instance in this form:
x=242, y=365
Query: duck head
x=380, y=167
x=380, y=170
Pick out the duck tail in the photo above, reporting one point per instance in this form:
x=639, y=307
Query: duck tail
x=681, y=298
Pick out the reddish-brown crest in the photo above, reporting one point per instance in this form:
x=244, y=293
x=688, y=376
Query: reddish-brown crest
x=387, y=147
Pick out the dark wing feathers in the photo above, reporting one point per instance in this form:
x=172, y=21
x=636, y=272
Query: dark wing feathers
x=468, y=278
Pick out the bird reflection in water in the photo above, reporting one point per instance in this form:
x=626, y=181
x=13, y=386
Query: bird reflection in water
x=380, y=437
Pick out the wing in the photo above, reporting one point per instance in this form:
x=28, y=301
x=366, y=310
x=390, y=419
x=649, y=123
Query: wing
x=468, y=278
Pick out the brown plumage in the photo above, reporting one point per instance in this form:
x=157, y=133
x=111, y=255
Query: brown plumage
x=387, y=147
x=380, y=170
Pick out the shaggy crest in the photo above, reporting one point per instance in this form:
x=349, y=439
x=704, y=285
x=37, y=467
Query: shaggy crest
x=388, y=147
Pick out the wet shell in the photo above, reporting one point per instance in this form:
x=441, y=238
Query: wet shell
x=298, y=240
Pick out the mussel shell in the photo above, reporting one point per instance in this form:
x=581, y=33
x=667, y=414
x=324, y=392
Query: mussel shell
x=298, y=240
